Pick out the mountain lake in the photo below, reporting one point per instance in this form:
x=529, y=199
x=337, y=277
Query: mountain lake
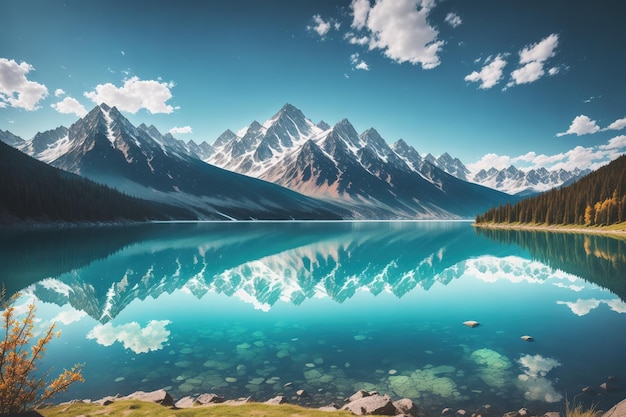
x=266, y=308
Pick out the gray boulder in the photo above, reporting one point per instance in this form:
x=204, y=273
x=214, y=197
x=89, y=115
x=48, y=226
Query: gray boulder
x=372, y=405
x=618, y=410
x=159, y=396
x=407, y=407
x=279, y=399
x=358, y=395
x=186, y=402
x=209, y=398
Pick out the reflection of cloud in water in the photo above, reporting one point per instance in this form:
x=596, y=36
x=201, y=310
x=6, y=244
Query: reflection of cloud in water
x=576, y=288
x=582, y=307
x=616, y=305
x=514, y=269
x=538, y=365
x=69, y=316
x=534, y=382
x=132, y=336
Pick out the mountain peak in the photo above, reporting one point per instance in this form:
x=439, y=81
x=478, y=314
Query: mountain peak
x=288, y=114
x=289, y=108
x=400, y=143
x=323, y=125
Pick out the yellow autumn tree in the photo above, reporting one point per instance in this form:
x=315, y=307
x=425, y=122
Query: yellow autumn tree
x=21, y=385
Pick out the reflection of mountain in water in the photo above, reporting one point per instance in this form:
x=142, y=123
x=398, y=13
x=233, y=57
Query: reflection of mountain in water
x=266, y=262
x=595, y=258
x=27, y=257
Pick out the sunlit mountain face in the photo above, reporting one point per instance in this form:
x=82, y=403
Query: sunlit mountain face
x=266, y=308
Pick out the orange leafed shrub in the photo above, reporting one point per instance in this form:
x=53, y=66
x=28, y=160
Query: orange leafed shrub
x=21, y=386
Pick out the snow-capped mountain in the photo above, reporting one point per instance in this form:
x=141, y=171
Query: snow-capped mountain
x=10, y=139
x=359, y=171
x=509, y=180
x=46, y=145
x=104, y=146
x=515, y=181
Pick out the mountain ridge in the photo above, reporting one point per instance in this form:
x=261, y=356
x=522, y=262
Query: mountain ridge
x=105, y=147
x=337, y=164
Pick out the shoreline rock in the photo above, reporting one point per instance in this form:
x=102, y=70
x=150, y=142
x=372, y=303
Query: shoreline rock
x=360, y=403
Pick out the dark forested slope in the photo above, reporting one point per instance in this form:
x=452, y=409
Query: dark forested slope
x=34, y=192
x=598, y=199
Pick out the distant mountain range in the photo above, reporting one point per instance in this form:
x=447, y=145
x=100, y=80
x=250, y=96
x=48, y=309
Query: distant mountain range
x=361, y=172
x=292, y=168
x=598, y=199
x=105, y=147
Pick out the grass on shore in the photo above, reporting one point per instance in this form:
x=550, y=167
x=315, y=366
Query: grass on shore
x=577, y=410
x=617, y=228
x=136, y=408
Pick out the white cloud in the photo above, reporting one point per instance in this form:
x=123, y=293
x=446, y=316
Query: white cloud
x=360, y=10
x=532, y=59
x=59, y=92
x=490, y=74
x=581, y=157
x=320, y=26
x=490, y=160
x=69, y=316
x=578, y=157
x=132, y=336
x=134, y=95
x=581, y=125
x=70, y=105
x=581, y=307
x=400, y=28
x=529, y=73
x=538, y=365
x=619, y=124
x=540, y=51
x=616, y=305
x=618, y=142
x=454, y=20
x=355, y=40
x=358, y=63
x=15, y=89
x=180, y=130
x=534, y=382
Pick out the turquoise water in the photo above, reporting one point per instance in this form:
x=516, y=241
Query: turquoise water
x=261, y=309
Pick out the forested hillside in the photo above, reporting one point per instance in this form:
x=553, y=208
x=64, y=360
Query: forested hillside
x=34, y=192
x=598, y=199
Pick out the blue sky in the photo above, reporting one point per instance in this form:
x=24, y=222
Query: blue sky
x=534, y=83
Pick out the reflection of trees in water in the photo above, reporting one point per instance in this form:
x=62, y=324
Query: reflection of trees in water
x=595, y=258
